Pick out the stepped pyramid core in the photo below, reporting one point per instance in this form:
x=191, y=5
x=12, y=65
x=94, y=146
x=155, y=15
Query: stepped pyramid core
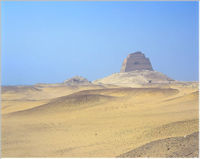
x=136, y=61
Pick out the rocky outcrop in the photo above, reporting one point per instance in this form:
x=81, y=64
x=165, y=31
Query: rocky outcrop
x=136, y=61
x=77, y=80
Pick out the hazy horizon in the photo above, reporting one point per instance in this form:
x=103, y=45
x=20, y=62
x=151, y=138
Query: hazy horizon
x=49, y=42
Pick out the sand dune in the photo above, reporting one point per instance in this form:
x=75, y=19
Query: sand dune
x=95, y=97
x=66, y=103
x=16, y=98
x=94, y=121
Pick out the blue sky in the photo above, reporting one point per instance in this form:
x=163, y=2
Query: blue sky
x=48, y=42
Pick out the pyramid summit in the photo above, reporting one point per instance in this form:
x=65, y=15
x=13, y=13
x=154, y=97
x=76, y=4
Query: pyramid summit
x=136, y=61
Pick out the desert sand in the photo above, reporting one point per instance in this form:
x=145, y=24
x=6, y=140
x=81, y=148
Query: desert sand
x=97, y=120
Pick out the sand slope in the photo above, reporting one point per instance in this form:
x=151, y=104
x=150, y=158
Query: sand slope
x=187, y=146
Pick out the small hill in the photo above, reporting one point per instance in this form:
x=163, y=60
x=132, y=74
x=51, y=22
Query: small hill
x=77, y=80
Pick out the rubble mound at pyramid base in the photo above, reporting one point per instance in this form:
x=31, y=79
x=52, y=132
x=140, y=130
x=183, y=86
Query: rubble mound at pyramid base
x=135, y=77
